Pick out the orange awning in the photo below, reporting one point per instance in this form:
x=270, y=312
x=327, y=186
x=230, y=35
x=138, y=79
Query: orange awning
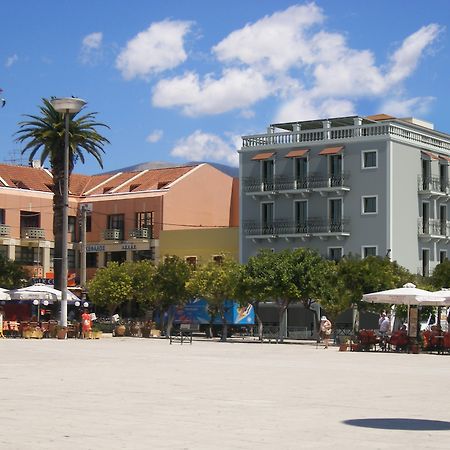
x=331, y=150
x=296, y=153
x=430, y=155
x=444, y=158
x=261, y=156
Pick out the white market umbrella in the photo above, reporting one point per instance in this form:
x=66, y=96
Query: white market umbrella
x=4, y=294
x=41, y=292
x=406, y=295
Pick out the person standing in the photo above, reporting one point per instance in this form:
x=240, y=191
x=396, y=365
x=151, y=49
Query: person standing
x=86, y=324
x=325, y=330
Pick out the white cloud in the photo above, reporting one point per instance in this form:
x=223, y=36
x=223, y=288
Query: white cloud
x=154, y=50
x=276, y=42
x=305, y=107
x=200, y=146
x=417, y=106
x=11, y=60
x=235, y=89
x=91, y=48
x=404, y=61
x=154, y=136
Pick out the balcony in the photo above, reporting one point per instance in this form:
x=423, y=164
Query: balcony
x=433, y=228
x=4, y=231
x=425, y=139
x=113, y=234
x=32, y=233
x=312, y=227
x=141, y=233
x=432, y=186
x=315, y=182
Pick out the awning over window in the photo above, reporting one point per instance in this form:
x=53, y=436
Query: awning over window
x=444, y=158
x=297, y=153
x=261, y=156
x=331, y=150
x=429, y=155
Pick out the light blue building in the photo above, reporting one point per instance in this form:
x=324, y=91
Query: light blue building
x=373, y=185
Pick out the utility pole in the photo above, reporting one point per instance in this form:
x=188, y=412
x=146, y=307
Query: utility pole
x=84, y=210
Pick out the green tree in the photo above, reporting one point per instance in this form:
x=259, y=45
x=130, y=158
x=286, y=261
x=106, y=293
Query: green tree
x=358, y=276
x=169, y=287
x=46, y=133
x=299, y=276
x=441, y=275
x=216, y=283
x=142, y=284
x=12, y=274
x=111, y=286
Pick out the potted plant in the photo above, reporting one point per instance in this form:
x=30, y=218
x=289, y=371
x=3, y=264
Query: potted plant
x=344, y=344
x=96, y=333
x=61, y=332
x=119, y=330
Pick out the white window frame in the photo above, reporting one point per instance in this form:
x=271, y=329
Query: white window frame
x=363, y=247
x=363, y=167
x=186, y=258
x=371, y=213
x=334, y=247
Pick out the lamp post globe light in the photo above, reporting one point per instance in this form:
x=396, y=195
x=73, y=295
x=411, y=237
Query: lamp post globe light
x=65, y=106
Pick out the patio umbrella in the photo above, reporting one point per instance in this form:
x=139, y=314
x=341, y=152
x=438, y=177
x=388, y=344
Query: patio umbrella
x=41, y=292
x=4, y=294
x=406, y=295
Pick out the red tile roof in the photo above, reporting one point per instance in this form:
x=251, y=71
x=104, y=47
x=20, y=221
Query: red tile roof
x=39, y=179
x=25, y=177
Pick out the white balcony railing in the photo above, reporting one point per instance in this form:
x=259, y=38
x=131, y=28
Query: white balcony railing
x=32, y=233
x=141, y=233
x=349, y=132
x=113, y=234
x=4, y=230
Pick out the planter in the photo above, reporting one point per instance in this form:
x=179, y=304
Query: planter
x=96, y=334
x=343, y=347
x=155, y=333
x=61, y=333
x=119, y=330
x=414, y=348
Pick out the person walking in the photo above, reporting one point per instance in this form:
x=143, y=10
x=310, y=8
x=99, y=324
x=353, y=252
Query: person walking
x=325, y=330
x=384, y=325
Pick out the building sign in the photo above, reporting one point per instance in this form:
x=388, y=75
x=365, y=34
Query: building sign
x=49, y=279
x=95, y=248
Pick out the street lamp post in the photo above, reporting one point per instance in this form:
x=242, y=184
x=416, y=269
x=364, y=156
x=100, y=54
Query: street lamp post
x=66, y=106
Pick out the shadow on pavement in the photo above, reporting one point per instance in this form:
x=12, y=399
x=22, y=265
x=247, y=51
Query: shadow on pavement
x=400, y=424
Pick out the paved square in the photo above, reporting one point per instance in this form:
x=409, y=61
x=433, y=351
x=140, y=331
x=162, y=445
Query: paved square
x=129, y=393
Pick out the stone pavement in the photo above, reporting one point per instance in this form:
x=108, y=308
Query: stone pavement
x=130, y=393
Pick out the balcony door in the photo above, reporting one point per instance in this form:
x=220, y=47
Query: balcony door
x=301, y=172
x=443, y=220
x=267, y=218
x=335, y=170
x=267, y=174
x=426, y=174
x=426, y=218
x=116, y=222
x=301, y=216
x=335, y=215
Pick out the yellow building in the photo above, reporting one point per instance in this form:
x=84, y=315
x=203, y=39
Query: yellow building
x=200, y=245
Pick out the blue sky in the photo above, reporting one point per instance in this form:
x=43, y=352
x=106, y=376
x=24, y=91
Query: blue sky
x=178, y=81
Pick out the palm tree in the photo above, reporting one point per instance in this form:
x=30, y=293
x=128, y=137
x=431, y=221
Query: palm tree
x=46, y=133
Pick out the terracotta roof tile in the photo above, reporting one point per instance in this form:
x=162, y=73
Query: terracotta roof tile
x=26, y=177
